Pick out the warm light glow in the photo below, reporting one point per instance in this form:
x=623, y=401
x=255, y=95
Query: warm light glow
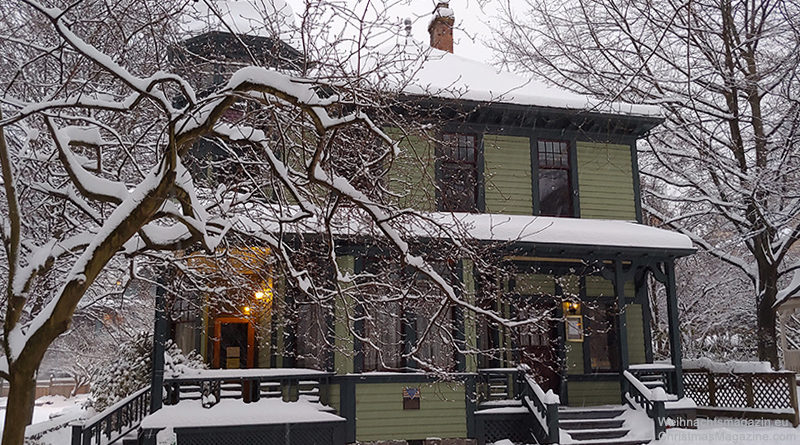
x=572, y=307
x=259, y=295
x=246, y=310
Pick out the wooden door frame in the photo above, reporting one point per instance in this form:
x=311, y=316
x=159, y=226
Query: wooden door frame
x=251, y=337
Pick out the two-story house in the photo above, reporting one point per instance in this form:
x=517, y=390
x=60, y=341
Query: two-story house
x=549, y=180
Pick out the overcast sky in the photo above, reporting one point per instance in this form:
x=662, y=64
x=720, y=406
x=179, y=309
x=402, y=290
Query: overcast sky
x=472, y=19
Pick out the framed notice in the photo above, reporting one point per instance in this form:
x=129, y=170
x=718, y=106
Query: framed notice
x=575, y=328
x=411, y=398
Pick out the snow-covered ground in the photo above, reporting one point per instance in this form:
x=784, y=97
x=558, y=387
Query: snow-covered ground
x=727, y=432
x=47, y=408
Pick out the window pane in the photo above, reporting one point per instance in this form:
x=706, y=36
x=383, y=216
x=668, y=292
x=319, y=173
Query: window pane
x=554, y=192
x=437, y=350
x=383, y=329
x=311, y=344
x=602, y=336
x=458, y=188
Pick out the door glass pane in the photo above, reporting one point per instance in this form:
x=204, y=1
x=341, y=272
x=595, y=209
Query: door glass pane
x=233, y=345
x=602, y=336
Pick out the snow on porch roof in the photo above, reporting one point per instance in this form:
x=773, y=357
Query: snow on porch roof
x=563, y=231
x=450, y=76
x=487, y=227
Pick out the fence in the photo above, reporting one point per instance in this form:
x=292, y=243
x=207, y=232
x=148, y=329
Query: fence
x=757, y=395
x=50, y=387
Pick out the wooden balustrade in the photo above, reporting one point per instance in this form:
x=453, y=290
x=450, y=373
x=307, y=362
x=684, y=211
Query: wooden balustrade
x=760, y=394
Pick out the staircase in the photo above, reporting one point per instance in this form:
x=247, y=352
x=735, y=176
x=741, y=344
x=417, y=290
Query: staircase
x=607, y=425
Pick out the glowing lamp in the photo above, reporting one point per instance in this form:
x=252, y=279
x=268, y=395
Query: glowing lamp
x=246, y=310
x=260, y=295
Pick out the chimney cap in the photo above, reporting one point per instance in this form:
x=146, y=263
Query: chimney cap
x=443, y=10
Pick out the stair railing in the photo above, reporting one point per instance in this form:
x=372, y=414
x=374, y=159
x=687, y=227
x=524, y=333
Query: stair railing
x=543, y=406
x=652, y=400
x=114, y=422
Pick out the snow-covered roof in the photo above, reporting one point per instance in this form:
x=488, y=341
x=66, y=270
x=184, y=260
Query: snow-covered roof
x=486, y=227
x=190, y=413
x=265, y=18
x=450, y=76
x=564, y=231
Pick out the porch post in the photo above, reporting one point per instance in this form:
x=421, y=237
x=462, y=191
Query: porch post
x=622, y=326
x=674, y=328
x=159, y=338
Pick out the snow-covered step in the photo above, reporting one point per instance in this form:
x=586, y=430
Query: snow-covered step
x=599, y=433
x=590, y=413
x=590, y=424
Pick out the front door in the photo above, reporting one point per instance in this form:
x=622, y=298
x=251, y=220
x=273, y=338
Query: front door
x=538, y=342
x=233, y=343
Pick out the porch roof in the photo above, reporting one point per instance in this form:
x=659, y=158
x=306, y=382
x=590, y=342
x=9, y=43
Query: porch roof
x=544, y=230
x=539, y=232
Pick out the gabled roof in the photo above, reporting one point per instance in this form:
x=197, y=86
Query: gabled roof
x=440, y=74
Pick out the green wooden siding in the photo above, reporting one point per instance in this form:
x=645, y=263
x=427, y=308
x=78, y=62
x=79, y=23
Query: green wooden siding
x=533, y=284
x=594, y=393
x=380, y=414
x=574, y=355
x=633, y=315
x=605, y=181
x=600, y=287
x=507, y=174
x=412, y=176
x=333, y=396
x=343, y=341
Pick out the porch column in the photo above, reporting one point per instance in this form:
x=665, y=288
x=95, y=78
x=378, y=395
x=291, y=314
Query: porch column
x=674, y=328
x=159, y=338
x=622, y=326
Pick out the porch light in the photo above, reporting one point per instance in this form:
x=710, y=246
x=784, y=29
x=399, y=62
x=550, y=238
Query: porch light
x=246, y=310
x=264, y=294
x=572, y=307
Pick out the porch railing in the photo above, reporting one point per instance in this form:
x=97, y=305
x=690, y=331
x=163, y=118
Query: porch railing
x=543, y=406
x=115, y=422
x=498, y=384
x=756, y=394
x=651, y=400
x=656, y=375
x=212, y=388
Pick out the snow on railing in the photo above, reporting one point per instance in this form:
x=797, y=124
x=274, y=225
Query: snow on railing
x=652, y=400
x=543, y=406
x=114, y=422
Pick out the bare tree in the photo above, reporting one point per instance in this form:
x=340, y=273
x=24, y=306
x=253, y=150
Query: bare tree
x=726, y=74
x=99, y=140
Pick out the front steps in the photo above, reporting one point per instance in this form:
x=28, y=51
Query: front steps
x=606, y=425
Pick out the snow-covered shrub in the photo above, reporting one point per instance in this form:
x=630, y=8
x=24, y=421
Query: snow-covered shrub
x=130, y=369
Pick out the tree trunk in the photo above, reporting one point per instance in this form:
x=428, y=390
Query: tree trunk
x=767, y=339
x=19, y=411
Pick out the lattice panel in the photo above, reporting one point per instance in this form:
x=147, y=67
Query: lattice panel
x=514, y=430
x=241, y=436
x=695, y=385
x=771, y=393
x=311, y=436
x=730, y=391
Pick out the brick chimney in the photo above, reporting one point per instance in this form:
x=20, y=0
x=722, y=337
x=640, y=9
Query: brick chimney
x=441, y=27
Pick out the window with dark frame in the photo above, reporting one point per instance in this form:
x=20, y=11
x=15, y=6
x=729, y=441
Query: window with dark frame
x=555, y=184
x=458, y=175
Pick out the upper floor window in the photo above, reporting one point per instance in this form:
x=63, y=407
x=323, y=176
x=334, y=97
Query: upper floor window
x=555, y=185
x=458, y=175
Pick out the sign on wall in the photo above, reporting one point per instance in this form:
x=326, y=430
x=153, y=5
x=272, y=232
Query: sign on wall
x=411, y=398
x=575, y=328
